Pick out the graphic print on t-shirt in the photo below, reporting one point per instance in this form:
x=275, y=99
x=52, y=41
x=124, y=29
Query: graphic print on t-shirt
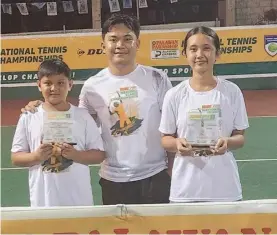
x=204, y=125
x=56, y=163
x=123, y=107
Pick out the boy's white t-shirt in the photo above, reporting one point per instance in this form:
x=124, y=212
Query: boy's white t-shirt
x=213, y=178
x=129, y=108
x=72, y=186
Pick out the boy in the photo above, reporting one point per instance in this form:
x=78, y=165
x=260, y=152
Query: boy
x=58, y=172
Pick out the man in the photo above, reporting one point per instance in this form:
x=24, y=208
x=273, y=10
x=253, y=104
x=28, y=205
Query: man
x=134, y=171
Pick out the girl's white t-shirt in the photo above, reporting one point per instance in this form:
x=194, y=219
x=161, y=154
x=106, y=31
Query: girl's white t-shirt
x=212, y=178
x=71, y=186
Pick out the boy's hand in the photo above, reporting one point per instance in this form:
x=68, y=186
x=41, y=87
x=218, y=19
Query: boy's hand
x=43, y=152
x=31, y=106
x=68, y=151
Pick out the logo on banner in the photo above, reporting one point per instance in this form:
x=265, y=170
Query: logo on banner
x=270, y=44
x=80, y=52
x=92, y=51
x=165, y=49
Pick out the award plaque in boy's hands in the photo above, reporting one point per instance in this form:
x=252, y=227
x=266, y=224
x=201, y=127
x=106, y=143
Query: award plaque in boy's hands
x=57, y=127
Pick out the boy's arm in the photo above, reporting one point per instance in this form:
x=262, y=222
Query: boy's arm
x=20, y=152
x=23, y=159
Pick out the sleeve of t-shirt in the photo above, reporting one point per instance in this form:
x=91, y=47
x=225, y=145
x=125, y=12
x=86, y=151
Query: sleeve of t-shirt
x=20, y=141
x=168, y=119
x=164, y=86
x=84, y=100
x=93, y=137
x=241, y=118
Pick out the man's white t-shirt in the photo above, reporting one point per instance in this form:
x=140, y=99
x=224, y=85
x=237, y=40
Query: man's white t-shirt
x=213, y=178
x=129, y=109
x=72, y=185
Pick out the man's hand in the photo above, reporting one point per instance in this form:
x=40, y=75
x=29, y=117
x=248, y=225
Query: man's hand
x=43, y=152
x=220, y=147
x=31, y=106
x=183, y=147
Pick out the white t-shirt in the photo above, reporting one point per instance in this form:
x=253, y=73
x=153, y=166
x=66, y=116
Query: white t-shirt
x=129, y=109
x=72, y=185
x=213, y=178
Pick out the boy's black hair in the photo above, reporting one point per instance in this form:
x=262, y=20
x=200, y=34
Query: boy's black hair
x=51, y=67
x=130, y=22
x=204, y=30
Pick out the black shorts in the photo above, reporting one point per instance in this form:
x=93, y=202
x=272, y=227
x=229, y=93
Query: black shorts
x=154, y=189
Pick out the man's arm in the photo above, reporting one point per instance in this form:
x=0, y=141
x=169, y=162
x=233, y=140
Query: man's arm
x=95, y=117
x=170, y=162
x=163, y=88
x=31, y=106
x=85, y=103
x=94, y=150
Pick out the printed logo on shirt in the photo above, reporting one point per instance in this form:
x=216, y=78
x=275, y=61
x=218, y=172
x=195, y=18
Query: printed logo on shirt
x=56, y=163
x=123, y=108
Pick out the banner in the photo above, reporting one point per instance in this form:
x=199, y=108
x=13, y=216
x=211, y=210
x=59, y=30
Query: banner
x=247, y=217
x=244, y=50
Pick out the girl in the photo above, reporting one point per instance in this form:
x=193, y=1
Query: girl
x=203, y=119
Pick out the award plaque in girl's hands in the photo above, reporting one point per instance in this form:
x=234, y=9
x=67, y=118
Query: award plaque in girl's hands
x=204, y=127
x=201, y=150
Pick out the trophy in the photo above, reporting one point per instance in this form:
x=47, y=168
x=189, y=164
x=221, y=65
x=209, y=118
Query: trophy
x=204, y=129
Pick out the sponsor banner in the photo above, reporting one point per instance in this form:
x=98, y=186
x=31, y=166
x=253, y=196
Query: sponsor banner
x=83, y=51
x=175, y=73
x=165, y=49
x=248, y=217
